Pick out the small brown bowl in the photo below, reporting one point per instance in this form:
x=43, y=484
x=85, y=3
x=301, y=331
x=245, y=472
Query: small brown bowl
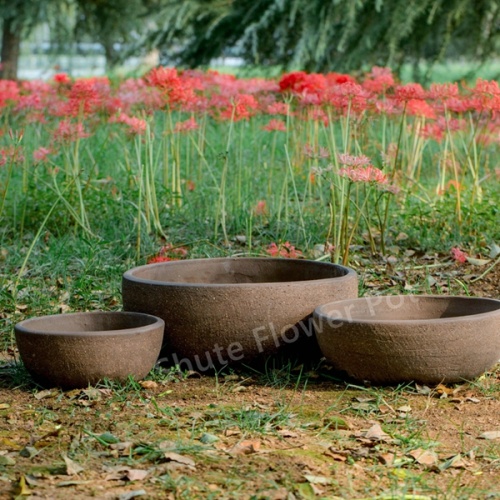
x=402, y=338
x=75, y=350
x=236, y=310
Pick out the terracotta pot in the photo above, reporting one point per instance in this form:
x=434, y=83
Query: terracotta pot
x=427, y=339
x=235, y=310
x=75, y=350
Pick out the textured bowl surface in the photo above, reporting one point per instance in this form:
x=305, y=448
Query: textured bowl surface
x=232, y=310
x=424, y=338
x=75, y=350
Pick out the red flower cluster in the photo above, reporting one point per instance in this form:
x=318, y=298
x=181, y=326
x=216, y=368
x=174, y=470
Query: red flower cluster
x=285, y=250
x=359, y=169
x=458, y=255
x=167, y=253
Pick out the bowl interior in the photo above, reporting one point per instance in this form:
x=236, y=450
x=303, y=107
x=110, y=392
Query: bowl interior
x=87, y=322
x=407, y=308
x=236, y=271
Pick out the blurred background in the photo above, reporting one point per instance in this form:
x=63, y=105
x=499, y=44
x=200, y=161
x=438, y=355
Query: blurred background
x=421, y=40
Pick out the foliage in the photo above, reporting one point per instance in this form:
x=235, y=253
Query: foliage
x=106, y=22
x=323, y=35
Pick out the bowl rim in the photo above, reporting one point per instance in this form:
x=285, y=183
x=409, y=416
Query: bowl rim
x=320, y=312
x=28, y=326
x=130, y=274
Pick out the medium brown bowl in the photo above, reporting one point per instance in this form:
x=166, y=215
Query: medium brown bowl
x=235, y=310
x=424, y=338
x=75, y=350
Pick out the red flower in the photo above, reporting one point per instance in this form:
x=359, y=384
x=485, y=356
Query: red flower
x=443, y=90
x=9, y=91
x=167, y=253
x=62, y=78
x=339, y=78
x=364, y=174
x=11, y=154
x=260, y=208
x=83, y=98
x=68, y=131
x=354, y=161
x=185, y=126
x=409, y=91
x=299, y=82
x=137, y=126
x=286, y=250
x=278, y=108
x=41, y=154
x=379, y=80
x=176, y=91
x=458, y=255
x=243, y=107
x=160, y=258
x=274, y=124
x=419, y=107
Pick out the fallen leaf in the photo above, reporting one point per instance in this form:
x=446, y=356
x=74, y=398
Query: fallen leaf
x=47, y=393
x=246, y=447
x=338, y=457
x=363, y=406
x=444, y=391
x=456, y=462
x=123, y=447
x=136, y=474
x=287, y=433
x=490, y=435
x=318, y=479
x=423, y=389
x=6, y=460
x=63, y=484
x=424, y=457
x=148, y=384
x=494, y=251
x=171, y=456
x=4, y=406
x=473, y=400
x=375, y=433
x=387, y=458
x=239, y=388
x=72, y=467
x=477, y=262
x=404, y=409
x=29, y=452
x=92, y=394
x=207, y=438
x=232, y=432
x=31, y=480
x=22, y=488
x=131, y=494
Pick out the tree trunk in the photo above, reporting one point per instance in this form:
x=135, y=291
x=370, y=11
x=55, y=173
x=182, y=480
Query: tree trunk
x=11, y=44
x=111, y=55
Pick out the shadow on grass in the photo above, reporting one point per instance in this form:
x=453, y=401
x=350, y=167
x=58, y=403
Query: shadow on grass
x=13, y=375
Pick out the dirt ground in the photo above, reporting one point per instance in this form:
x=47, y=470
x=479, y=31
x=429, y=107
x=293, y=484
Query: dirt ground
x=284, y=434
x=240, y=437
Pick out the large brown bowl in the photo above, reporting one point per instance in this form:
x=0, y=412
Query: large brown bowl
x=427, y=339
x=235, y=310
x=75, y=350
